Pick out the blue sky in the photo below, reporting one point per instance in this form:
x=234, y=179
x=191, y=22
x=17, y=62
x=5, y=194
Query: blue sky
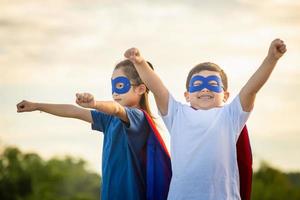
x=52, y=49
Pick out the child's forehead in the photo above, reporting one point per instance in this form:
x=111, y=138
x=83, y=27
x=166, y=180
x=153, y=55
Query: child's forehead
x=206, y=73
x=117, y=73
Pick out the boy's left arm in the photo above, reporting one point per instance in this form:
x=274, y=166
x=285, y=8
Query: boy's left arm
x=258, y=79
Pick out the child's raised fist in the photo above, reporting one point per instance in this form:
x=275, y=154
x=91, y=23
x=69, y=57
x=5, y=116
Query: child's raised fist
x=85, y=100
x=277, y=49
x=133, y=54
x=26, y=106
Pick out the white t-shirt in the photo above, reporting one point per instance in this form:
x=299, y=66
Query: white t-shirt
x=203, y=150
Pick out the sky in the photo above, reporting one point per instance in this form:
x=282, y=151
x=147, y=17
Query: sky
x=52, y=49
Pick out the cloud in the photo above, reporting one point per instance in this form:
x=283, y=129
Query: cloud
x=282, y=11
x=52, y=49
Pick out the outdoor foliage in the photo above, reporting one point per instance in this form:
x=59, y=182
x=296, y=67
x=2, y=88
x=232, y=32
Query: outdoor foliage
x=272, y=184
x=29, y=177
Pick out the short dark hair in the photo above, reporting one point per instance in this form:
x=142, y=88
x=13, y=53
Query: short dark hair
x=209, y=67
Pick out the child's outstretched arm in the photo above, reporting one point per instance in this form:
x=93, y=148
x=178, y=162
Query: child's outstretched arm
x=61, y=110
x=151, y=79
x=87, y=100
x=258, y=79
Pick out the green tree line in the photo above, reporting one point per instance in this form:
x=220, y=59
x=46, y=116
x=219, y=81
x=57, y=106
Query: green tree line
x=29, y=177
x=272, y=184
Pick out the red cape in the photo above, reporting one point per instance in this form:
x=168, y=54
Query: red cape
x=158, y=167
x=244, y=159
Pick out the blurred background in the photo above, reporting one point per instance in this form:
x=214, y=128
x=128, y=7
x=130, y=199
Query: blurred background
x=51, y=49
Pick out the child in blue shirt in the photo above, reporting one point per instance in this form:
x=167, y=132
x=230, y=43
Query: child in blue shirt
x=204, y=134
x=130, y=147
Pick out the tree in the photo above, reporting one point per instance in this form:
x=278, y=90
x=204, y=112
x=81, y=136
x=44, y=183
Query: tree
x=28, y=177
x=272, y=184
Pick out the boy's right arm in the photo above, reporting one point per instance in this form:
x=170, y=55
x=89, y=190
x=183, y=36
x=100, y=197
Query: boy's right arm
x=151, y=79
x=61, y=110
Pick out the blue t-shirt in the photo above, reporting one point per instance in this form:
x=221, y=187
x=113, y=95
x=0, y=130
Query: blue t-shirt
x=124, y=147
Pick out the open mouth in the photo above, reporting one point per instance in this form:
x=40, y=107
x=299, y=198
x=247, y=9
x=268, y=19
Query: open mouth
x=205, y=97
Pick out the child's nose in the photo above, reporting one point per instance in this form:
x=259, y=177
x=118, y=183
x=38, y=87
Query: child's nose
x=205, y=90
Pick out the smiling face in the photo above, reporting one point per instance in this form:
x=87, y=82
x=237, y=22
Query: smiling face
x=205, y=98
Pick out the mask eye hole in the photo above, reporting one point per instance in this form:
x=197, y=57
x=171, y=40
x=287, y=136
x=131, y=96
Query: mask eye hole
x=197, y=83
x=213, y=83
x=119, y=85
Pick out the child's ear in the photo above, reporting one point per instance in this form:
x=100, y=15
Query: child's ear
x=226, y=96
x=187, y=96
x=141, y=89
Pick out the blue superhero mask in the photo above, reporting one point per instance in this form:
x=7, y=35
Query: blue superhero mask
x=212, y=83
x=120, y=85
